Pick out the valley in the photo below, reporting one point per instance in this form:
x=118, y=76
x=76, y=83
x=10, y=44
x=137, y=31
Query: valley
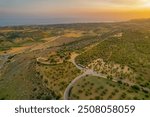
x=93, y=61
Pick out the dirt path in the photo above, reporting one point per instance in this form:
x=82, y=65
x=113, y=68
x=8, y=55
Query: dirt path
x=87, y=71
x=43, y=45
x=35, y=46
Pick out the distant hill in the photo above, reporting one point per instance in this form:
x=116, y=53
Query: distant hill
x=140, y=20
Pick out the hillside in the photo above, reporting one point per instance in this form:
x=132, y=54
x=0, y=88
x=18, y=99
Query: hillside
x=40, y=62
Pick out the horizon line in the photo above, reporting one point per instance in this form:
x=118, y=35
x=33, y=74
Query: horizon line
x=68, y=23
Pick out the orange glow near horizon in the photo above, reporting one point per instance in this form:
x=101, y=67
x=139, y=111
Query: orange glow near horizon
x=125, y=14
x=73, y=10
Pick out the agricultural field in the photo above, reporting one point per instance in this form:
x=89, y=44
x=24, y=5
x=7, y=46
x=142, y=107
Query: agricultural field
x=76, y=61
x=96, y=88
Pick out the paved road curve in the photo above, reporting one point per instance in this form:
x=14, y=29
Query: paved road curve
x=86, y=72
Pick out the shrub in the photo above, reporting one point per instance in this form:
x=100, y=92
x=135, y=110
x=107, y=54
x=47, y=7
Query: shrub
x=135, y=87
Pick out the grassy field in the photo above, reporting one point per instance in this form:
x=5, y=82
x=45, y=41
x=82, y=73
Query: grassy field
x=57, y=77
x=96, y=88
x=132, y=50
x=29, y=37
x=19, y=80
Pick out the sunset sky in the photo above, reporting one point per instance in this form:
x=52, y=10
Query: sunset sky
x=16, y=12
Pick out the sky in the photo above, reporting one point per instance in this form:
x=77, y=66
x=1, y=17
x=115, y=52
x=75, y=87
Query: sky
x=22, y=12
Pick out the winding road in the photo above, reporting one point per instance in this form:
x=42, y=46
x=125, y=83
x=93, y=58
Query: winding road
x=87, y=71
